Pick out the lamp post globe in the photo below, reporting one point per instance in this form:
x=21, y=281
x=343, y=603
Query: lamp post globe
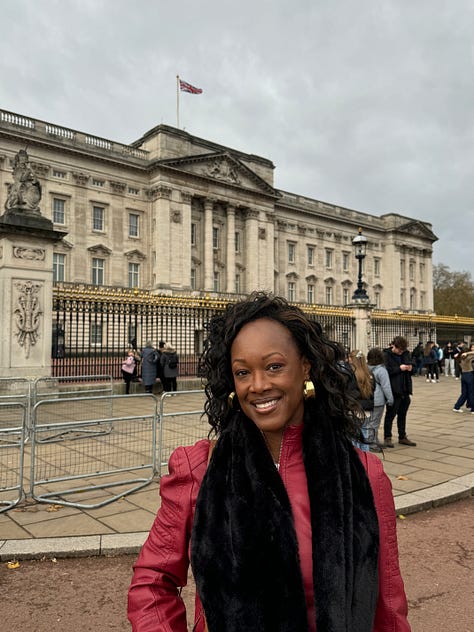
x=360, y=248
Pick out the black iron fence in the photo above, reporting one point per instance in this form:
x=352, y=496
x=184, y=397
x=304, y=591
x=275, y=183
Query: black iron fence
x=93, y=326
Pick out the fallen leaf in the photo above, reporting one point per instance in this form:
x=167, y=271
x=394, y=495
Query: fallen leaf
x=13, y=564
x=54, y=560
x=51, y=508
x=401, y=516
x=402, y=478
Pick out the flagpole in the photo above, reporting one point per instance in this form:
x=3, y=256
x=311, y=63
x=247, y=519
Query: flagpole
x=177, y=101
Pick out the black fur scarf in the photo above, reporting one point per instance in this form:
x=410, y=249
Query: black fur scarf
x=244, y=551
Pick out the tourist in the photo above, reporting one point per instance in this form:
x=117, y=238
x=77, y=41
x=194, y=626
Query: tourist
x=289, y=527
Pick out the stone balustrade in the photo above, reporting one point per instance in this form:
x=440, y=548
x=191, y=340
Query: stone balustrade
x=65, y=135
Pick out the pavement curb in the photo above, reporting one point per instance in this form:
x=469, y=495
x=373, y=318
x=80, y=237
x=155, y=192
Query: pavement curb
x=131, y=543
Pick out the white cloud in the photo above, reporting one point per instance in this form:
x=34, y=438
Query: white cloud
x=368, y=105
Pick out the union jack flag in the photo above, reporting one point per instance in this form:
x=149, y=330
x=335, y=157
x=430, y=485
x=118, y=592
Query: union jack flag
x=184, y=86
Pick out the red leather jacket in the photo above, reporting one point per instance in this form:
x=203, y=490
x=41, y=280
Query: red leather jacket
x=162, y=566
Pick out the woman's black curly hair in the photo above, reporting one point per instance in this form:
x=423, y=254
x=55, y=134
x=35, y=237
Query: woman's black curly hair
x=328, y=372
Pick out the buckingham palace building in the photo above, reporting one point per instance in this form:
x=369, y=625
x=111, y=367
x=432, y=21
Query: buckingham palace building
x=172, y=213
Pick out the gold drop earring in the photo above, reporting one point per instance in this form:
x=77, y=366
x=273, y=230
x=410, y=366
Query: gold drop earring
x=309, y=392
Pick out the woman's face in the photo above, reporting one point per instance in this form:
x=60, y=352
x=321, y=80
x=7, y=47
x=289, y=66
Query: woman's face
x=269, y=373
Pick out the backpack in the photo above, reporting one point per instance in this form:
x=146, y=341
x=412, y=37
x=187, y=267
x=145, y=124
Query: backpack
x=153, y=357
x=173, y=361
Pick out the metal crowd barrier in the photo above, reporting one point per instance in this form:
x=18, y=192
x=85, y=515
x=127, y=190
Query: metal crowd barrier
x=17, y=389
x=13, y=422
x=181, y=422
x=86, y=446
x=48, y=387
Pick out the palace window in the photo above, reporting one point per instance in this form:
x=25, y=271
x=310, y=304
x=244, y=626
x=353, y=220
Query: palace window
x=133, y=191
x=329, y=257
x=133, y=275
x=411, y=270
x=59, y=174
x=291, y=291
x=328, y=295
x=376, y=267
x=96, y=334
x=216, y=282
x=377, y=299
x=193, y=278
x=310, y=293
x=422, y=272
x=133, y=220
x=59, y=211
x=59, y=265
x=402, y=268
x=98, y=213
x=345, y=262
x=310, y=255
x=215, y=238
x=193, y=234
x=237, y=241
x=97, y=183
x=237, y=284
x=291, y=252
x=345, y=296
x=98, y=266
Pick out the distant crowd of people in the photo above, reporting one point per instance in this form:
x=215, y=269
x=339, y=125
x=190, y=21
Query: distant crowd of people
x=150, y=366
x=382, y=383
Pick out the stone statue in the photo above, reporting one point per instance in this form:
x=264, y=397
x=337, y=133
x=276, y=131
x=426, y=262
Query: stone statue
x=24, y=193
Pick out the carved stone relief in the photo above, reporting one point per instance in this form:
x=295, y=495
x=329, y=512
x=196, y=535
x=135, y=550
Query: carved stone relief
x=117, y=187
x=27, y=314
x=80, y=178
x=30, y=254
x=223, y=170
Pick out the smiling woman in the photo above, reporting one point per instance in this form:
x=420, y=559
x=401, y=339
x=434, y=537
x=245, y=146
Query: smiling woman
x=310, y=543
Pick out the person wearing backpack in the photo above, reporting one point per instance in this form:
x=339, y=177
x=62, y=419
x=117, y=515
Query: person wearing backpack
x=169, y=362
x=382, y=396
x=364, y=387
x=149, y=372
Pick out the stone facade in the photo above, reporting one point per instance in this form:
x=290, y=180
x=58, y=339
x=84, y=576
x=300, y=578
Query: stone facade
x=175, y=213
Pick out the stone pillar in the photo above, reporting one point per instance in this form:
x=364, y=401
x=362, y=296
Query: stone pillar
x=361, y=338
x=186, y=200
x=251, y=251
x=208, y=248
x=269, y=274
x=230, y=260
x=161, y=209
x=26, y=282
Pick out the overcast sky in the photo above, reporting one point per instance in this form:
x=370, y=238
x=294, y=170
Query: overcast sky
x=368, y=104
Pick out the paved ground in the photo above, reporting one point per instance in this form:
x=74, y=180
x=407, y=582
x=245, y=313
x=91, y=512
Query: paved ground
x=87, y=594
x=439, y=469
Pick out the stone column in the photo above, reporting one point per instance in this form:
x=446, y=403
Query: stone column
x=26, y=282
x=251, y=251
x=208, y=249
x=160, y=216
x=270, y=252
x=230, y=259
x=362, y=326
x=185, y=255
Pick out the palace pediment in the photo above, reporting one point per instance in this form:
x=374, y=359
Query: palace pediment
x=222, y=167
x=100, y=249
x=417, y=229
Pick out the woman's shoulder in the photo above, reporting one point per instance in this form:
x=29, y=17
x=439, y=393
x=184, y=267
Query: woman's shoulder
x=191, y=457
x=372, y=463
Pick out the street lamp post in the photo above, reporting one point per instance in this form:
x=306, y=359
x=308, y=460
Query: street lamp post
x=360, y=247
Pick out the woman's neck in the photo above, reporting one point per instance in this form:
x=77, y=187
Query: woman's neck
x=274, y=441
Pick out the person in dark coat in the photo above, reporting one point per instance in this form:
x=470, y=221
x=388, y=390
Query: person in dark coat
x=149, y=370
x=169, y=362
x=399, y=366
